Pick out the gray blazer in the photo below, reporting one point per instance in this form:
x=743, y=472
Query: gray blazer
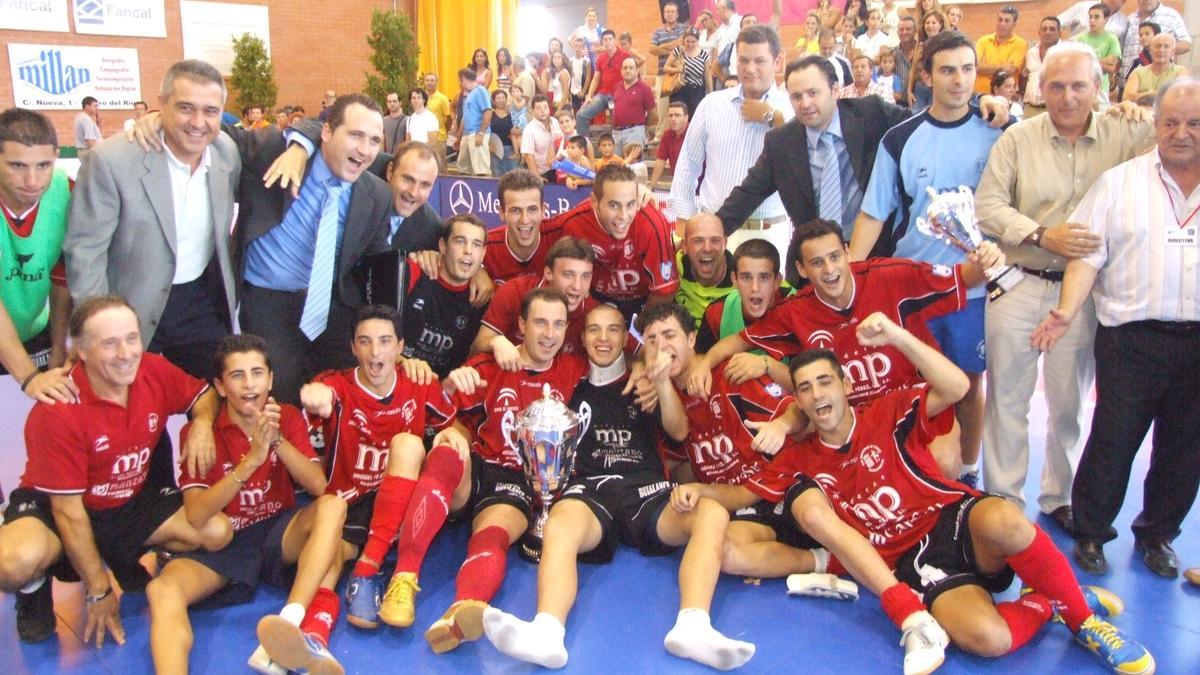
x=121, y=230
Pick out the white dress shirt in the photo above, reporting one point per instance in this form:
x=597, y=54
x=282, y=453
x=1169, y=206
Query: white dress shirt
x=194, y=238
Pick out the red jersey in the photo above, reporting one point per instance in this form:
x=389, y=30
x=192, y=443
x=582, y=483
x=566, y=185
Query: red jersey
x=491, y=411
x=359, y=433
x=718, y=440
x=505, y=309
x=631, y=268
x=100, y=449
x=269, y=489
x=908, y=292
x=884, y=481
x=502, y=264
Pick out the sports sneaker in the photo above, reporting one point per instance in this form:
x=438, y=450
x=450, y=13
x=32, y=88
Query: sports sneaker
x=362, y=601
x=259, y=662
x=463, y=622
x=35, y=614
x=1103, y=602
x=293, y=649
x=1111, y=644
x=397, y=607
x=924, y=646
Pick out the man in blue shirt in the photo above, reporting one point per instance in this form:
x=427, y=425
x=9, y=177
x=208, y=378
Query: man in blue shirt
x=474, y=156
x=944, y=147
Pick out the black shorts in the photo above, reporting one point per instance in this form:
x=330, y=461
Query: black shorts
x=254, y=555
x=778, y=516
x=358, y=519
x=944, y=559
x=494, y=484
x=628, y=511
x=121, y=533
x=30, y=503
x=38, y=349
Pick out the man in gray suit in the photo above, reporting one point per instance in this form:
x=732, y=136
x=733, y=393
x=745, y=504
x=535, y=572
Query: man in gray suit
x=154, y=227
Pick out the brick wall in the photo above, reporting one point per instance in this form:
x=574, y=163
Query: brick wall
x=314, y=45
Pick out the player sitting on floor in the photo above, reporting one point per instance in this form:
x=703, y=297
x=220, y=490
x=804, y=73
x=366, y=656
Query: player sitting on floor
x=725, y=436
x=261, y=447
x=493, y=491
x=375, y=416
x=619, y=493
x=956, y=545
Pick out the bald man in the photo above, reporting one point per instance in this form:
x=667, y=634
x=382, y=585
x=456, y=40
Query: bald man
x=704, y=265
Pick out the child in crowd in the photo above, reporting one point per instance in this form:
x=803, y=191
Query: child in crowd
x=607, y=155
x=576, y=152
x=1004, y=84
x=885, y=74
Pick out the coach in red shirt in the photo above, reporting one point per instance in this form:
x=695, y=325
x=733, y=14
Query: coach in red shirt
x=88, y=499
x=671, y=141
x=604, y=82
x=634, y=109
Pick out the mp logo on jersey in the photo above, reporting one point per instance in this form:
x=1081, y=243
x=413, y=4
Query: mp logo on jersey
x=371, y=458
x=131, y=462
x=715, y=450
x=872, y=369
x=252, y=497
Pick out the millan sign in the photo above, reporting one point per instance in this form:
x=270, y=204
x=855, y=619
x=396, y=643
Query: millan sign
x=58, y=77
x=49, y=74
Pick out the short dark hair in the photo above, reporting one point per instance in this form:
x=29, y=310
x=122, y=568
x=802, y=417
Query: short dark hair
x=681, y=105
x=538, y=98
x=759, y=249
x=238, y=344
x=662, y=311
x=1152, y=25
x=27, y=127
x=608, y=31
x=420, y=92
x=91, y=307
x=337, y=111
x=246, y=110
x=810, y=356
x=578, y=142
x=518, y=180
x=812, y=61
x=813, y=229
x=571, y=248
x=377, y=311
x=545, y=294
x=760, y=33
x=1011, y=11
x=611, y=173
x=423, y=150
x=1103, y=9
x=606, y=137
x=469, y=218
x=142, y=103
x=1056, y=20
x=88, y=100
x=467, y=74
x=943, y=41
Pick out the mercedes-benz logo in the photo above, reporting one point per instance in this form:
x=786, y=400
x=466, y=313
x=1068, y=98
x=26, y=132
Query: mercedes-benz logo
x=461, y=198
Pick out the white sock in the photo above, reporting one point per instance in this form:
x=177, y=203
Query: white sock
x=693, y=637
x=915, y=618
x=820, y=560
x=33, y=586
x=970, y=468
x=293, y=613
x=539, y=641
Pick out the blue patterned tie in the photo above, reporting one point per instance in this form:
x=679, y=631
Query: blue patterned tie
x=830, y=195
x=320, y=278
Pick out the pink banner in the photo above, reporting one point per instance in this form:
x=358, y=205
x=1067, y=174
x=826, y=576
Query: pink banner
x=793, y=10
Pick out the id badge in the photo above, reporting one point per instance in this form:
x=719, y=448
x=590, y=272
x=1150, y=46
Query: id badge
x=1183, y=236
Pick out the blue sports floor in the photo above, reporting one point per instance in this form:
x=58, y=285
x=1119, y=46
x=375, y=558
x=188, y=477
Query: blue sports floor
x=623, y=611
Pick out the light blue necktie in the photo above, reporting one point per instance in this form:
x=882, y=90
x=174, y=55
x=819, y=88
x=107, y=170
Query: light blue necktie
x=320, y=279
x=830, y=194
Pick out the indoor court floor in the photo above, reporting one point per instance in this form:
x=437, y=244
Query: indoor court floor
x=624, y=609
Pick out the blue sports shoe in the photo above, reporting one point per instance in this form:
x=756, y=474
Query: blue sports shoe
x=1103, y=602
x=363, y=595
x=1111, y=644
x=292, y=649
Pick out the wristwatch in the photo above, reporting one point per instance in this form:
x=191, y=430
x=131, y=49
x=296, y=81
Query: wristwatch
x=93, y=599
x=1037, y=236
x=769, y=116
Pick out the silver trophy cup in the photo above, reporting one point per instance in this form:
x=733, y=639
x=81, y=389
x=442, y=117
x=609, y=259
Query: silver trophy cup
x=950, y=217
x=546, y=433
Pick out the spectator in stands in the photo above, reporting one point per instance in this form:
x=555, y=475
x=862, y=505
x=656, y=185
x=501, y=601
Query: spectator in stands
x=503, y=155
x=634, y=118
x=625, y=42
x=1168, y=20
x=139, y=110
x=252, y=117
x=422, y=123
x=1146, y=33
x=873, y=39
x=847, y=34
x=666, y=39
x=918, y=90
x=1049, y=32
x=581, y=73
x=607, y=77
x=590, y=33
x=1074, y=20
x=326, y=104
x=523, y=78
x=856, y=10
x=538, y=139
x=925, y=8
x=954, y=16
x=863, y=85
x=283, y=117
x=729, y=22
x=474, y=156
x=482, y=67
x=1004, y=85
x=1000, y=50
x=886, y=77
x=1105, y=44
x=439, y=105
x=504, y=72
x=830, y=16
x=932, y=24
x=87, y=125
x=395, y=126
x=558, y=76
x=576, y=153
x=692, y=60
x=906, y=55
x=671, y=141
x=810, y=41
x=841, y=65
x=607, y=146
x=1144, y=82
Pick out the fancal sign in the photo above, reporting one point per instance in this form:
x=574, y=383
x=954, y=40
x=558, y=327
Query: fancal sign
x=52, y=77
x=140, y=18
x=47, y=15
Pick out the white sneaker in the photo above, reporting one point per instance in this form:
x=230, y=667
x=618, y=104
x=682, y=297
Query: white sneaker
x=924, y=646
x=261, y=663
x=816, y=585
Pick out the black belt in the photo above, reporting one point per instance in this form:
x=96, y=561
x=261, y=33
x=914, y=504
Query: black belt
x=1048, y=275
x=1175, y=327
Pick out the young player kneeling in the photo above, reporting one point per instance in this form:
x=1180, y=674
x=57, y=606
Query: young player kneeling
x=261, y=447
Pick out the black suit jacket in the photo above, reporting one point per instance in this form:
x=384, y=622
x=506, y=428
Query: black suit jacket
x=783, y=165
x=260, y=209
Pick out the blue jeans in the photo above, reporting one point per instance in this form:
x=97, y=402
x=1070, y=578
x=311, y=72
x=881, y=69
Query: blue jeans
x=583, y=118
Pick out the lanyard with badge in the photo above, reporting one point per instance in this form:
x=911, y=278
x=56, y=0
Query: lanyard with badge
x=1185, y=234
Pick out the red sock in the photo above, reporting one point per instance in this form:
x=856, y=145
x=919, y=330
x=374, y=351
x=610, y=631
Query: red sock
x=480, y=575
x=321, y=615
x=1025, y=617
x=900, y=602
x=428, y=508
x=1046, y=570
x=391, y=501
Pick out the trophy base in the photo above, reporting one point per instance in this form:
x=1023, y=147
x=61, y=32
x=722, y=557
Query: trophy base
x=529, y=548
x=1002, y=280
